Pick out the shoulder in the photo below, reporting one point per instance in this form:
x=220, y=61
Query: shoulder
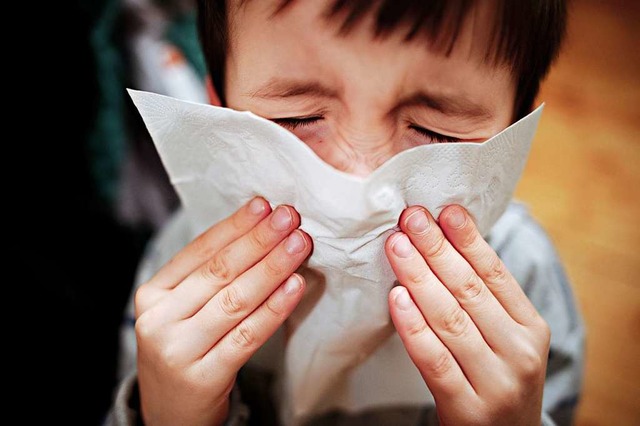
x=518, y=232
x=529, y=254
x=526, y=249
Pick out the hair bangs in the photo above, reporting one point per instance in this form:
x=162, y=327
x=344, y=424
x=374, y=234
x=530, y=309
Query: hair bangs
x=526, y=35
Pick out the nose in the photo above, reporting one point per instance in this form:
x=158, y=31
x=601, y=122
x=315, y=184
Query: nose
x=361, y=169
x=357, y=153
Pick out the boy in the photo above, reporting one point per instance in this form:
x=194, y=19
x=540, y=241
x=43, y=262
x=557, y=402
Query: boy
x=359, y=82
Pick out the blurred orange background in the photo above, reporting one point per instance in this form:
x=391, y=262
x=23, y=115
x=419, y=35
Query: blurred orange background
x=582, y=182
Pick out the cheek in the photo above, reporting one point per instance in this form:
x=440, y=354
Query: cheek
x=318, y=138
x=313, y=134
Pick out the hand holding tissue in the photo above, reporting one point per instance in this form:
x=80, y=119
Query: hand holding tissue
x=342, y=346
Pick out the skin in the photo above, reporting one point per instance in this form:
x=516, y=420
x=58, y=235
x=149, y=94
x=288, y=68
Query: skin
x=477, y=341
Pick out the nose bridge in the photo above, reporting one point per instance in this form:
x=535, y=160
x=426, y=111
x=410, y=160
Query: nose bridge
x=362, y=142
x=361, y=132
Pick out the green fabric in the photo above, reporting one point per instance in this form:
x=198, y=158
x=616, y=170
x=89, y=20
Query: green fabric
x=107, y=139
x=183, y=33
x=107, y=142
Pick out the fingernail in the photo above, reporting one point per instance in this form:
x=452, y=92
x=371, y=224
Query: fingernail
x=402, y=247
x=456, y=218
x=281, y=219
x=417, y=222
x=295, y=243
x=256, y=206
x=293, y=284
x=403, y=300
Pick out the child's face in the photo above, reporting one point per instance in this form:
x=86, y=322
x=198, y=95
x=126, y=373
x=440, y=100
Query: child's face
x=364, y=100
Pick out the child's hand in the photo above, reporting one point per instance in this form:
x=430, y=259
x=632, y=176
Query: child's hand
x=478, y=342
x=203, y=315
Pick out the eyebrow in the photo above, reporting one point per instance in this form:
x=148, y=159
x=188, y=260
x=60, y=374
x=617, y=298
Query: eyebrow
x=280, y=89
x=460, y=106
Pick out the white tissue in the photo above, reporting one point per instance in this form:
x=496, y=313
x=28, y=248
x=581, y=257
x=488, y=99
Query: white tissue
x=340, y=351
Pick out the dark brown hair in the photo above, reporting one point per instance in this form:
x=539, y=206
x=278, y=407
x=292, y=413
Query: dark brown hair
x=526, y=36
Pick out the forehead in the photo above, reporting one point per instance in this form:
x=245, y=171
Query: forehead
x=299, y=40
x=446, y=27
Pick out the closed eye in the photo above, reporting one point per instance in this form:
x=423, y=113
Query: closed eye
x=433, y=136
x=293, y=123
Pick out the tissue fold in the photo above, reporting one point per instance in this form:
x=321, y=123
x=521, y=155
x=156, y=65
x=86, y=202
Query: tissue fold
x=340, y=349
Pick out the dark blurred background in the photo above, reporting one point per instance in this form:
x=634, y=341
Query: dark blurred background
x=102, y=191
x=98, y=190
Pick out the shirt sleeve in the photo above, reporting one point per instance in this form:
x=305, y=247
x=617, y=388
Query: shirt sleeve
x=529, y=254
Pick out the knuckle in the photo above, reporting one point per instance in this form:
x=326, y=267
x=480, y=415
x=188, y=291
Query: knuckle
x=440, y=365
x=231, y=303
x=259, y=240
x=416, y=329
x=497, y=272
x=438, y=247
x=140, y=299
x=531, y=365
x=216, y=269
x=145, y=327
x=471, y=290
x=237, y=221
x=202, y=245
x=243, y=336
x=420, y=277
x=544, y=330
x=455, y=322
x=149, y=326
x=469, y=238
x=274, y=309
x=272, y=268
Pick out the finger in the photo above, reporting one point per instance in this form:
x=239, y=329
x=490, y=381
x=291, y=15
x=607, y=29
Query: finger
x=454, y=271
x=463, y=234
x=211, y=241
x=227, y=264
x=436, y=364
x=236, y=301
x=241, y=342
x=441, y=310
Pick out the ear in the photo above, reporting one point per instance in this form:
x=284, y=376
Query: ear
x=211, y=92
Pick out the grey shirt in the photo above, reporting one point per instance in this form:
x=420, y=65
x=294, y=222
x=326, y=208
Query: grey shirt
x=519, y=241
